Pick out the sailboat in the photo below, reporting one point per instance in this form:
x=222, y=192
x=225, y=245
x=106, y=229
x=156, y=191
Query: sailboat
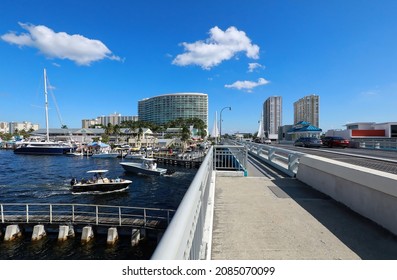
x=36, y=146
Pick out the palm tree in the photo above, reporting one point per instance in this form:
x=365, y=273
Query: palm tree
x=109, y=129
x=185, y=135
x=116, y=132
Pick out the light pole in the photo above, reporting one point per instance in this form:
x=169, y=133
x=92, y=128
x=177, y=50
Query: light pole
x=220, y=122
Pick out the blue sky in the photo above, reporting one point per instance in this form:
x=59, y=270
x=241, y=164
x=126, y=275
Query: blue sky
x=103, y=56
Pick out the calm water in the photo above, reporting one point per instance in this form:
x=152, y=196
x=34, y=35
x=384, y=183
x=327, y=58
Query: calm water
x=46, y=179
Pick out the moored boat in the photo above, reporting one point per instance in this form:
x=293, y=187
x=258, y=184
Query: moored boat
x=135, y=156
x=106, y=155
x=147, y=166
x=44, y=147
x=99, y=183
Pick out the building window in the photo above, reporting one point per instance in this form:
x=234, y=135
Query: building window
x=393, y=130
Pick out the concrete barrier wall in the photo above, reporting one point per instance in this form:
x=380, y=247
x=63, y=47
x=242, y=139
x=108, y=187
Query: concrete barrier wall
x=371, y=193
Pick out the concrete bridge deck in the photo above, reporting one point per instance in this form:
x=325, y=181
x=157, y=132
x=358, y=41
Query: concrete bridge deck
x=268, y=216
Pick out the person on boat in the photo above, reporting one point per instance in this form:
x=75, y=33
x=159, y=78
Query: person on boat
x=94, y=178
x=73, y=182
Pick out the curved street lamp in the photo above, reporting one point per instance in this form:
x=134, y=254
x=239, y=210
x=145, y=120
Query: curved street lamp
x=220, y=121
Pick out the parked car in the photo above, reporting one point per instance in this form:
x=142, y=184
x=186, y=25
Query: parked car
x=335, y=141
x=263, y=141
x=309, y=142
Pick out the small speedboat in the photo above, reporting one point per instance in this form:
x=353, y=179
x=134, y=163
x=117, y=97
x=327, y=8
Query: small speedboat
x=99, y=183
x=147, y=166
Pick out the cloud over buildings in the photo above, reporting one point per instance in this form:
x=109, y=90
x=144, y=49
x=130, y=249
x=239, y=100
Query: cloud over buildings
x=81, y=50
x=247, y=85
x=220, y=46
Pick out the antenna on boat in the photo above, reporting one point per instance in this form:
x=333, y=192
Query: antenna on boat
x=46, y=105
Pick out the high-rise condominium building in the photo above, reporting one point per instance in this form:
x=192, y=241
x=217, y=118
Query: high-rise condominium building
x=307, y=109
x=114, y=119
x=163, y=108
x=272, y=116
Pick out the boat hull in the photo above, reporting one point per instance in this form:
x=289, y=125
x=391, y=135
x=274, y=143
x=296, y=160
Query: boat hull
x=101, y=187
x=108, y=155
x=42, y=150
x=133, y=167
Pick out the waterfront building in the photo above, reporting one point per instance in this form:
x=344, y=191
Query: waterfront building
x=168, y=107
x=272, y=117
x=307, y=109
x=366, y=130
x=283, y=135
x=19, y=126
x=4, y=127
x=114, y=119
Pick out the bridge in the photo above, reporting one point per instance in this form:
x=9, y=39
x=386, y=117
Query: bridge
x=251, y=201
x=277, y=202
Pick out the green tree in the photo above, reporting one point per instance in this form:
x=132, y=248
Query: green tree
x=116, y=132
x=109, y=129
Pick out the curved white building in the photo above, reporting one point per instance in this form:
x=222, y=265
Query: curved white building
x=163, y=108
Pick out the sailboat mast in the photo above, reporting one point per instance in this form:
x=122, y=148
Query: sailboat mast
x=46, y=105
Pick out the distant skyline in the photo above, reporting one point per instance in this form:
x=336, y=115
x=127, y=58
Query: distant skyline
x=104, y=56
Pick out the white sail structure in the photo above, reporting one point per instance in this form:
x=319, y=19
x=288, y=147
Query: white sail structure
x=261, y=132
x=215, y=131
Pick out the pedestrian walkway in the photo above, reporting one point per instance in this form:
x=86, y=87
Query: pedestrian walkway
x=268, y=216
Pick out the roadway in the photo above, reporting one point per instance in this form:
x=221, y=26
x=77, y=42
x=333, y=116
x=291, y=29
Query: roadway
x=269, y=215
x=374, y=159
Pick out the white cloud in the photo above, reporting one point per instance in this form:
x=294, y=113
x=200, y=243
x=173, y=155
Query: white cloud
x=253, y=66
x=220, y=46
x=248, y=85
x=370, y=93
x=77, y=48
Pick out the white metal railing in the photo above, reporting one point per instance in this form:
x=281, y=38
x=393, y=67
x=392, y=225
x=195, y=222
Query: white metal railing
x=183, y=238
x=285, y=160
x=80, y=213
x=376, y=144
x=230, y=157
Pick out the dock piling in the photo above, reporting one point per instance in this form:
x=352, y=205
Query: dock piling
x=87, y=234
x=135, y=237
x=112, y=236
x=38, y=232
x=65, y=232
x=12, y=232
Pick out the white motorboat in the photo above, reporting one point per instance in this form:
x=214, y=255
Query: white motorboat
x=147, y=166
x=102, y=150
x=99, y=183
x=135, y=156
x=106, y=155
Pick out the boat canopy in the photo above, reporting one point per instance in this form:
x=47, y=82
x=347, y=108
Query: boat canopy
x=98, y=171
x=100, y=144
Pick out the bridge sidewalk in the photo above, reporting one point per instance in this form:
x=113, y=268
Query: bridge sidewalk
x=283, y=219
